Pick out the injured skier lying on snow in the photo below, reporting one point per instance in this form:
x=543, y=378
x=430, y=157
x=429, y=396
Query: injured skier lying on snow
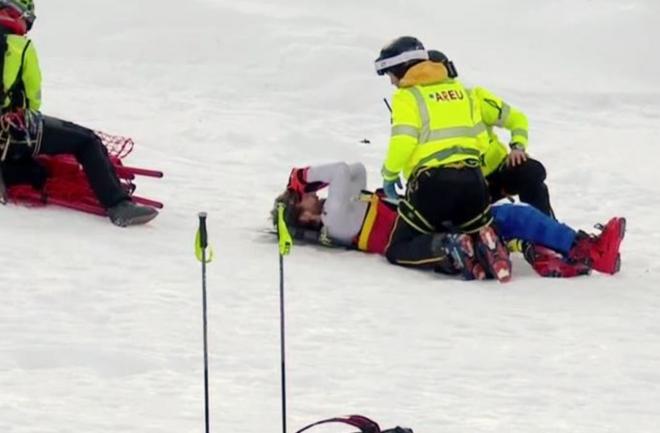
x=354, y=218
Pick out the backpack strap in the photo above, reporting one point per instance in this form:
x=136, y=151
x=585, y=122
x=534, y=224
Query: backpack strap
x=3, y=54
x=363, y=423
x=17, y=90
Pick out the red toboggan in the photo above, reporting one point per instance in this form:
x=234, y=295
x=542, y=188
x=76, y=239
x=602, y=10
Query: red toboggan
x=67, y=183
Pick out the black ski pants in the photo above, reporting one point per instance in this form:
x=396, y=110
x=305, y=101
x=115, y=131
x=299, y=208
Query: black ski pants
x=526, y=180
x=438, y=199
x=60, y=137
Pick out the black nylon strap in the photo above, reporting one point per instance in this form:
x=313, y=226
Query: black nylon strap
x=3, y=53
x=17, y=91
x=413, y=218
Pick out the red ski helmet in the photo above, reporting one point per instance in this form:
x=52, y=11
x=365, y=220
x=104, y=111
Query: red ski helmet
x=17, y=16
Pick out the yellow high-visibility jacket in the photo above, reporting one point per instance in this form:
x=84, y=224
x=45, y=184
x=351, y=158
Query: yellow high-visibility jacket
x=495, y=112
x=434, y=122
x=21, y=77
x=437, y=121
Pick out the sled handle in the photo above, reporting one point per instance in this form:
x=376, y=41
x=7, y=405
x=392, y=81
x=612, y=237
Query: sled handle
x=365, y=424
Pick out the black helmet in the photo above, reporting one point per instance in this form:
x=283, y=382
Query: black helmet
x=440, y=57
x=400, y=55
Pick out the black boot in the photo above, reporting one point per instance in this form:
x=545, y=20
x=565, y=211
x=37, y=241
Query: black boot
x=127, y=213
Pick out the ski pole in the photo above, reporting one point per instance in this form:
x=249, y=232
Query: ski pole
x=201, y=245
x=285, y=244
x=387, y=104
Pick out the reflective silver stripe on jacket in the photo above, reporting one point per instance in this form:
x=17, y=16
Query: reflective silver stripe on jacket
x=410, y=131
x=388, y=174
x=425, y=130
x=457, y=132
x=444, y=154
x=426, y=134
x=519, y=133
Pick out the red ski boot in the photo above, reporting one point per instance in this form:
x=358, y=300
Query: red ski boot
x=601, y=250
x=494, y=254
x=549, y=263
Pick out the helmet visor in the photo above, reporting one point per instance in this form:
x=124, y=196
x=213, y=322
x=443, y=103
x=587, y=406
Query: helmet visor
x=382, y=65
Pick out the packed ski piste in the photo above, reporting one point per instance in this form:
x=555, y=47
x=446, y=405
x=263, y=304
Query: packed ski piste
x=459, y=193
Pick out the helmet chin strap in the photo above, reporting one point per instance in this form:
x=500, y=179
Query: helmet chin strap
x=451, y=69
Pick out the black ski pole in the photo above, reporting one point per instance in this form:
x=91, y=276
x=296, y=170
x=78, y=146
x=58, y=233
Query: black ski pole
x=201, y=245
x=282, y=344
x=387, y=104
x=285, y=243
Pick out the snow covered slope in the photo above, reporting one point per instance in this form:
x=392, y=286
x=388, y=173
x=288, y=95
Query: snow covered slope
x=100, y=328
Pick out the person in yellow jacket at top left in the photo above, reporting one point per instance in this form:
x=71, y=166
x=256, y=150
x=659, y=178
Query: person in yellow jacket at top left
x=437, y=143
x=25, y=132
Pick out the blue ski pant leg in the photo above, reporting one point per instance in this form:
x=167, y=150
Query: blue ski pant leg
x=515, y=221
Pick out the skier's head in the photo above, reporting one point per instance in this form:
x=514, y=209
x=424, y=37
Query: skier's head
x=440, y=57
x=400, y=55
x=311, y=208
x=17, y=16
x=300, y=211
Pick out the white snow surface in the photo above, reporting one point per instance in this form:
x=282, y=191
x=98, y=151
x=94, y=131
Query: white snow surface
x=101, y=327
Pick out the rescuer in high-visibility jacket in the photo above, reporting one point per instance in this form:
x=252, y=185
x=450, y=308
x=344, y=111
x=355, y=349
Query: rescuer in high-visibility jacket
x=508, y=172
x=26, y=133
x=438, y=140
